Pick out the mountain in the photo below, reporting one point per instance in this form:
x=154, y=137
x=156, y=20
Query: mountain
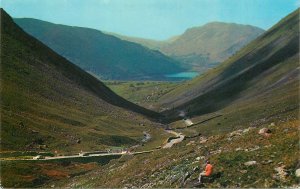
x=104, y=55
x=204, y=47
x=48, y=102
x=266, y=71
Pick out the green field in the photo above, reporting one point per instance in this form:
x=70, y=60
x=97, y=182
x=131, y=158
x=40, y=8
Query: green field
x=143, y=93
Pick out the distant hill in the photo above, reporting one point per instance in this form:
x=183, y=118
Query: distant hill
x=205, y=46
x=150, y=43
x=104, y=55
x=267, y=66
x=49, y=103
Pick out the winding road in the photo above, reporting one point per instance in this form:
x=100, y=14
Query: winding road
x=174, y=141
x=179, y=138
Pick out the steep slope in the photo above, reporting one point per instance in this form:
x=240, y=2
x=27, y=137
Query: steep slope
x=204, y=47
x=267, y=65
x=46, y=100
x=101, y=54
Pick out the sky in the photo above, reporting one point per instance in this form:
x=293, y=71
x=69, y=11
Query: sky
x=152, y=19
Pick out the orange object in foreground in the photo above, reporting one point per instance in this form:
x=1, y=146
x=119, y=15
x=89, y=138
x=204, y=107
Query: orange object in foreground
x=208, y=169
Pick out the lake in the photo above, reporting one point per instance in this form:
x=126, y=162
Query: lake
x=183, y=75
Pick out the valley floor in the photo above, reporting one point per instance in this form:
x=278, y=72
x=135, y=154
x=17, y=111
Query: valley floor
x=229, y=138
x=143, y=93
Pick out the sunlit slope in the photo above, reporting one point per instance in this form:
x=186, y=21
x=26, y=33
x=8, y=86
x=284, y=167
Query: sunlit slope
x=203, y=47
x=217, y=40
x=206, y=46
x=268, y=63
x=48, y=102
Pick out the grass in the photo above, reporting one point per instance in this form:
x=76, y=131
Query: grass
x=143, y=93
x=35, y=174
x=283, y=141
x=167, y=167
x=250, y=113
x=21, y=154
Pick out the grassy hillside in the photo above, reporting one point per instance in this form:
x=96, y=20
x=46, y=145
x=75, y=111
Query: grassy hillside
x=104, y=55
x=49, y=104
x=228, y=153
x=229, y=141
x=201, y=48
x=267, y=64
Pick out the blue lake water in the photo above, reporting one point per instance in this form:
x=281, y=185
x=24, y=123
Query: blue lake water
x=183, y=75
